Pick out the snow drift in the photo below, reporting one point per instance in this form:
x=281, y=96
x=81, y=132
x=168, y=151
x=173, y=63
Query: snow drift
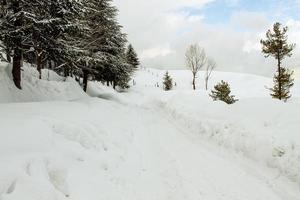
x=51, y=87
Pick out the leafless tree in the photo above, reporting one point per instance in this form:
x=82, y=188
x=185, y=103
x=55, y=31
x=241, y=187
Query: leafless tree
x=210, y=66
x=195, y=60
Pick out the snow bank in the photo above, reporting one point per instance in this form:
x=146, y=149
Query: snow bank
x=98, y=149
x=264, y=130
x=51, y=87
x=257, y=126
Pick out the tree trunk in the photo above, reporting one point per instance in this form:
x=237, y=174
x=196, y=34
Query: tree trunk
x=49, y=64
x=107, y=83
x=66, y=71
x=18, y=53
x=17, y=65
x=206, y=83
x=114, y=85
x=85, y=79
x=71, y=72
x=194, y=82
x=279, y=78
x=39, y=65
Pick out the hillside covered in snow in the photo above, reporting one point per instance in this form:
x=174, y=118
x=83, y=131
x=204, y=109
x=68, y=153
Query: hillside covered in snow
x=59, y=143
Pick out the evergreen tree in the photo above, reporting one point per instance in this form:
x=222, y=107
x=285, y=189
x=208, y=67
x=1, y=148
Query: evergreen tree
x=222, y=92
x=276, y=46
x=131, y=57
x=104, y=43
x=64, y=33
x=168, y=82
x=81, y=37
x=286, y=82
x=13, y=30
x=38, y=31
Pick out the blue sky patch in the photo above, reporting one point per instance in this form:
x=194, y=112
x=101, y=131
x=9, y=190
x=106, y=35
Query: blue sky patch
x=220, y=11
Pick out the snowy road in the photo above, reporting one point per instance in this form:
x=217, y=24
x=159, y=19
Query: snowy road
x=96, y=149
x=189, y=169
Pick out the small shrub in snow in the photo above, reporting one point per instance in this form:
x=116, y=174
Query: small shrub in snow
x=221, y=92
x=168, y=82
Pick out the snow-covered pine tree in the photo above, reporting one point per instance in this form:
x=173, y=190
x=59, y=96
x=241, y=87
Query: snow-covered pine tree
x=53, y=33
x=124, y=77
x=221, y=92
x=276, y=46
x=76, y=36
x=132, y=57
x=64, y=50
x=13, y=30
x=104, y=42
x=33, y=30
x=167, y=82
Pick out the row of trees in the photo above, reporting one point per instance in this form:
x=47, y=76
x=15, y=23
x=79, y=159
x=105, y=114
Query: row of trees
x=275, y=45
x=80, y=38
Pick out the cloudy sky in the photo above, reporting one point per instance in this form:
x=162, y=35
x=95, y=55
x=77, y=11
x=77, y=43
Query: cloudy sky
x=229, y=30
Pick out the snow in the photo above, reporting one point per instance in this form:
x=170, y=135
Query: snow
x=51, y=87
x=147, y=143
x=242, y=85
x=262, y=129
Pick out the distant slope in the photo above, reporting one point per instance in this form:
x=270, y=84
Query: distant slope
x=242, y=85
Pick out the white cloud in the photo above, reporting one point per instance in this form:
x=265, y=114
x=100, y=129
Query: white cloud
x=161, y=31
x=250, y=46
x=160, y=51
x=255, y=21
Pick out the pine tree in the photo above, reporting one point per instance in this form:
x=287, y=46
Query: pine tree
x=132, y=57
x=64, y=33
x=25, y=35
x=168, y=82
x=222, y=92
x=13, y=30
x=104, y=43
x=286, y=82
x=38, y=31
x=276, y=46
x=82, y=38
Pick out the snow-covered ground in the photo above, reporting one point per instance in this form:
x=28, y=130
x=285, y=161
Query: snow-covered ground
x=147, y=143
x=52, y=87
x=261, y=128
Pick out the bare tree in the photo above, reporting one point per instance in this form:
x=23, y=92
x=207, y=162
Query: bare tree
x=195, y=60
x=210, y=66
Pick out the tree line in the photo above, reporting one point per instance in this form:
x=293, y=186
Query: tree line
x=77, y=38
